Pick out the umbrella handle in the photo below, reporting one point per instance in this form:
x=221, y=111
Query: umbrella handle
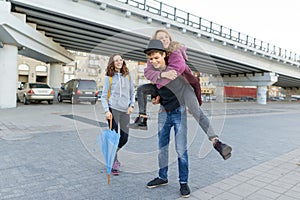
x=110, y=123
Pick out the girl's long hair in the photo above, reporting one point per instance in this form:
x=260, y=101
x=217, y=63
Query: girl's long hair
x=173, y=44
x=110, y=69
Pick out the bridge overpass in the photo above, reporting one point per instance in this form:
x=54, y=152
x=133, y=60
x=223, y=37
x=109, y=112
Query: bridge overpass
x=46, y=30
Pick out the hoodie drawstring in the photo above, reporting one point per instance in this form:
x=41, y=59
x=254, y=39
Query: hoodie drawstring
x=120, y=81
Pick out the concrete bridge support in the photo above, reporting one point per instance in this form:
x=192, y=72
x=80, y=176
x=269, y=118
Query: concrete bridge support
x=8, y=75
x=55, y=77
x=17, y=37
x=220, y=94
x=261, y=96
x=261, y=81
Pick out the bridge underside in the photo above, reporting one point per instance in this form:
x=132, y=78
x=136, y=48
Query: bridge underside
x=74, y=32
x=78, y=34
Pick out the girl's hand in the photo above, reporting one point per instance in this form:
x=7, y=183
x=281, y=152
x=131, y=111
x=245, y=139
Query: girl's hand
x=108, y=115
x=129, y=110
x=172, y=74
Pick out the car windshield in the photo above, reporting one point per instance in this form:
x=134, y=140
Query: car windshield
x=83, y=85
x=38, y=85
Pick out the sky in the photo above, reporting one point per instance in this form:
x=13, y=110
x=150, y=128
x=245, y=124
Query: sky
x=276, y=22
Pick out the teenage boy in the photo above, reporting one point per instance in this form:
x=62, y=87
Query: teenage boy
x=171, y=114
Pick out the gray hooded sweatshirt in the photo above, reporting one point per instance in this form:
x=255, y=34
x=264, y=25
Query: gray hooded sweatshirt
x=121, y=92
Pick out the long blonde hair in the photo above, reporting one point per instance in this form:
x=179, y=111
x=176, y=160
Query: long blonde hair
x=173, y=44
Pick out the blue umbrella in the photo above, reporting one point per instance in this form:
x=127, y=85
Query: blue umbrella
x=108, y=142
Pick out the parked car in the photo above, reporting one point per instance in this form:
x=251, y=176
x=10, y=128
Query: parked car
x=228, y=99
x=247, y=98
x=277, y=98
x=35, y=92
x=78, y=90
x=295, y=98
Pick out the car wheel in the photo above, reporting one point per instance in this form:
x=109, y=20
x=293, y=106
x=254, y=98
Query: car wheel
x=59, y=98
x=50, y=102
x=73, y=100
x=93, y=102
x=26, y=101
x=18, y=100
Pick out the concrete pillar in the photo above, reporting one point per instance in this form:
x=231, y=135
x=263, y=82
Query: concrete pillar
x=55, y=77
x=262, y=94
x=5, y=6
x=220, y=94
x=8, y=76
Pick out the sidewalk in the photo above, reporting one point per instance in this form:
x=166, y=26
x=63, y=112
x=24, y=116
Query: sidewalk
x=50, y=152
x=278, y=179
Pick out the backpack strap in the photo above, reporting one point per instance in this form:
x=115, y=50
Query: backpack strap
x=110, y=84
x=128, y=77
x=109, y=89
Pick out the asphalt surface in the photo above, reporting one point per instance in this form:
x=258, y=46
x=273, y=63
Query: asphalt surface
x=51, y=152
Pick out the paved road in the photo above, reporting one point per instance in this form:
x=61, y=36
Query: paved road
x=50, y=152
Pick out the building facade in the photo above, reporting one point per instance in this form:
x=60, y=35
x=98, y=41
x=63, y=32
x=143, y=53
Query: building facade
x=93, y=67
x=30, y=70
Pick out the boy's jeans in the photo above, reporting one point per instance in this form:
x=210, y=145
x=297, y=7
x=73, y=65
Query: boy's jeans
x=178, y=119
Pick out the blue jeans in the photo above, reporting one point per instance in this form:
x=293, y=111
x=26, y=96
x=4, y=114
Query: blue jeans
x=177, y=119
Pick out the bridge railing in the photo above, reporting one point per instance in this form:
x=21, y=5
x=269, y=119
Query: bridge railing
x=180, y=16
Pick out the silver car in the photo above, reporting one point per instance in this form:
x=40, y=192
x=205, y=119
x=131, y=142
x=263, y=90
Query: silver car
x=35, y=92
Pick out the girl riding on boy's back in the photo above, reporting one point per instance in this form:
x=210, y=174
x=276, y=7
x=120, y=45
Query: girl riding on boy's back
x=191, y=96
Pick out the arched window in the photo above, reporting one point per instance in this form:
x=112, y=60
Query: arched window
x=23, y=67
x=41, y=68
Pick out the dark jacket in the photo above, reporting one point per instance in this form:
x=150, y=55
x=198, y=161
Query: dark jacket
x=168, y=99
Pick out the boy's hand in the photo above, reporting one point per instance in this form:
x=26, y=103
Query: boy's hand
x=156, y=100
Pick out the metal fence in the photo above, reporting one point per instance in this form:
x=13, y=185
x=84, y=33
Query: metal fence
x=180, y=16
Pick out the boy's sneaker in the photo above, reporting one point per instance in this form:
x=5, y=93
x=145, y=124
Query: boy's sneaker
x=139, y=123
x=157, y=182
x=223, y=149
x=115, y=168
x=185, y=190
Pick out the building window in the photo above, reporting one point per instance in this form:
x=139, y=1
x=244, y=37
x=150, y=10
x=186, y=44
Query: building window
x=23, y=67
x=41, y=68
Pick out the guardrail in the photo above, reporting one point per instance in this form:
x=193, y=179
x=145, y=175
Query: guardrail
x=180, y=16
